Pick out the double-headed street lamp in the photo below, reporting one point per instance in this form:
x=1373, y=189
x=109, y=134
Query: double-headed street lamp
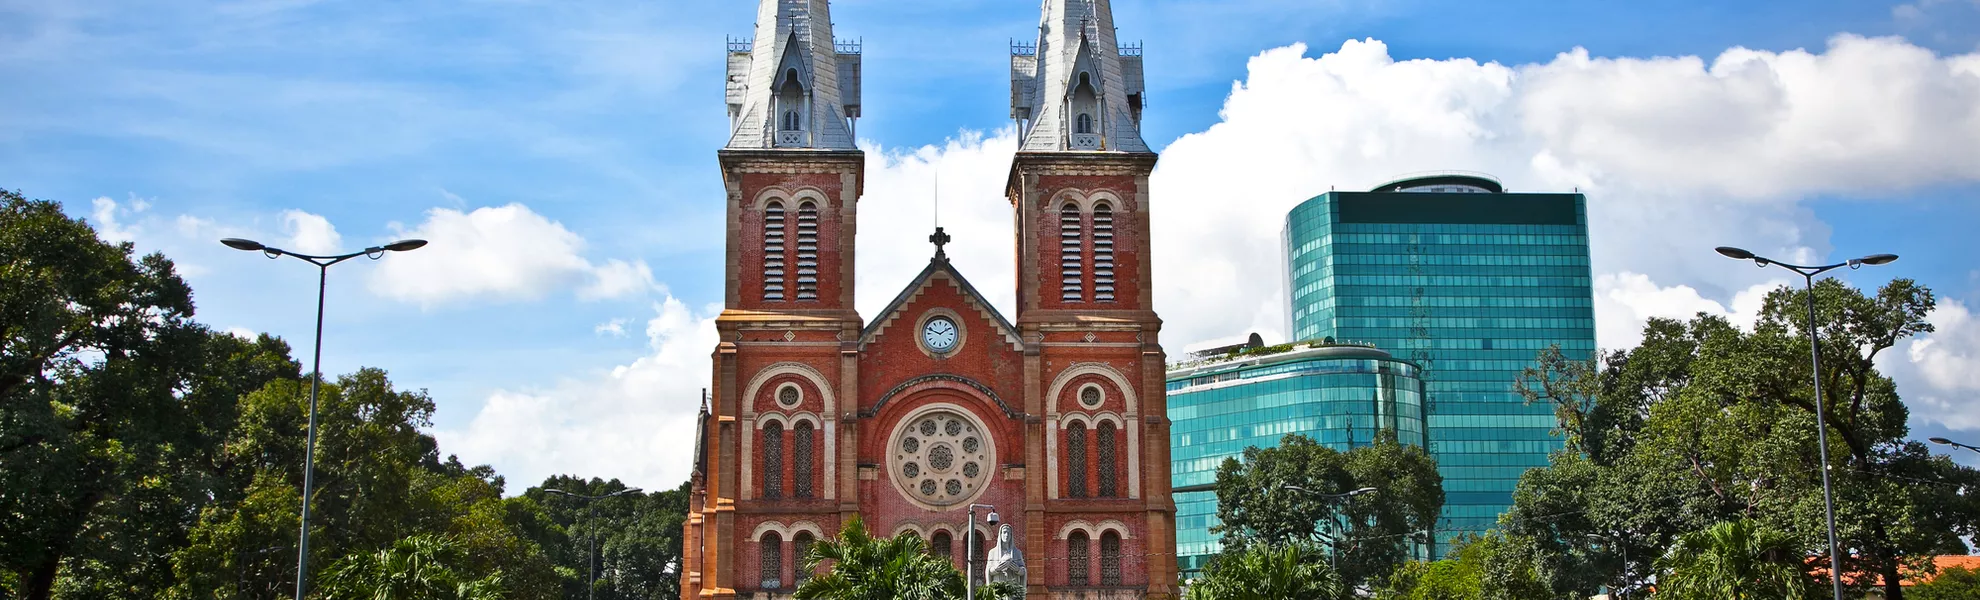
x=1946, y=442
x=1333, y=541
x=969, y=548
x=590, y=515
x=316, y=365
x=1808, y=274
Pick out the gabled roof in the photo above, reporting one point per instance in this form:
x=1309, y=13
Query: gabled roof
x=939, y=266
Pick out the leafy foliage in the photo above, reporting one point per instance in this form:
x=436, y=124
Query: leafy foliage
x=1952, y=583
x=1494, y=566
x=1278, y=496
x=638, y=537
x=1294, y=571
x=421, y=566
x=863, y=567
x=1706, y=423
x=1735, y=560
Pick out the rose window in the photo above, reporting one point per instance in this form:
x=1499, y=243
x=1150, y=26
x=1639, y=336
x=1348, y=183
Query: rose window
x=940, y=458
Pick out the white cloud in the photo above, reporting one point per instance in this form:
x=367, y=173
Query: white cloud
x=1626, y=301
x=615, y=328
x=104, y=217
x=501, y=252
x=310, y=234
x=1943, y=368
x=634, y=422
x=1677, y=155
x=897, y=214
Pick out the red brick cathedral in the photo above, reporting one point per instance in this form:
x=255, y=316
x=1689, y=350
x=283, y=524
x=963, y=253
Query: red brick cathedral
x=1057, y=418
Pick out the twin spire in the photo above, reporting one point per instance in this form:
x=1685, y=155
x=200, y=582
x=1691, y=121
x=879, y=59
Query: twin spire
x=1075, y=89
x=793, y=86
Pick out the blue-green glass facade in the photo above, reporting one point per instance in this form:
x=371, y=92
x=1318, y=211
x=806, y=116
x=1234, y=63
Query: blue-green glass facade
x=1470, y=286
x=1338, y=395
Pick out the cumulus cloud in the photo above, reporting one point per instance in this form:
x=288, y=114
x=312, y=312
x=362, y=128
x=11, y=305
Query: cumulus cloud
x=112, y=220
x=1946, y=365
x=898, y=213
x=631, y=422
x=614, y=327
x=1629, y=300
x=310, y=234
x=501, y=252
x=1677, y=155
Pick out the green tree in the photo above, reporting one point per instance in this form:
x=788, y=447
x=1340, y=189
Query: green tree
x=423, y=566
x=639, y=537
x=1294, y=571
x=1280, y=495
x=1706, y=423
x=863, y=567
x=113, y=408
x=1736, y=560
x=380, y=481
x=1494, y=566
x=1952, y=583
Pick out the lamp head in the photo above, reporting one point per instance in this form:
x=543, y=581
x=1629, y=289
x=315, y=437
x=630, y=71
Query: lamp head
x=557, y=492
x=404, y=245
x=1734, y=253
x=1366, y=490
x=1878, y=259
x=241, y=244
x=1941, y=441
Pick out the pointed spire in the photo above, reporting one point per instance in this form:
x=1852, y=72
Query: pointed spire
x=1077, y=88
x=794, y=85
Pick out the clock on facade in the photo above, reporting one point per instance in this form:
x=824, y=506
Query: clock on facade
x=939, y=334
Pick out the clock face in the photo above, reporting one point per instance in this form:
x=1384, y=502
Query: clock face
x=939, y=334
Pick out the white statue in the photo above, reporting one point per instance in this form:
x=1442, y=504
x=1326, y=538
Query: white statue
x=1005, y=562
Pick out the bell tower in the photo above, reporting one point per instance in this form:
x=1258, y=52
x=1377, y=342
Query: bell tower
x=1079, y=190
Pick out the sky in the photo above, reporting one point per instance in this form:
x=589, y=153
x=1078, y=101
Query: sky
x=560, y=156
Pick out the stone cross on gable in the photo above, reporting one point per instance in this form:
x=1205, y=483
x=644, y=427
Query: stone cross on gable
x=939, y=239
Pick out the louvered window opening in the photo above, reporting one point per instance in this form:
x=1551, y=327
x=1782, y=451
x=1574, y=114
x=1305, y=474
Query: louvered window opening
x=1109, y=482
x=770, y=561
x=1110, y=558
x=1072, y=279
x=800, y=546
x=773, y=461
x=1077, y=572
x=1076, y=461
x=773, y=251
x=801, y=460
x=807, y=247
x=942, y=545
x=1103, y=254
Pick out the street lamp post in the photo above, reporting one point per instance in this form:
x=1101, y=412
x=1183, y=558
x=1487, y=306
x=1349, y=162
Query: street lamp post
x=1946, y=442
x=1808, y=274
x=316, y=366
x=1333, y=541
x=969, y=548
x=590, y=514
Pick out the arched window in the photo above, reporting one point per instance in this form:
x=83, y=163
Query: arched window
x=807, y=247
x=1083, y=111
x=1084, y=124
x=791, y=121
x=942, y=545
x=773, y=461
x=801, y=460
x=1072, y=278
x=770, y=560
x=1110, y=558
x=1077, y=572
x=773, y=251
x=1103, y=253
x=800, y=546
x=1076, y=461
x=1109, y=481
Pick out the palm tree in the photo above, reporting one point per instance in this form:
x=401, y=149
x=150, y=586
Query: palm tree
x=1266, y=572
x=864, y=567
x=1735, y=560
x=413, y=567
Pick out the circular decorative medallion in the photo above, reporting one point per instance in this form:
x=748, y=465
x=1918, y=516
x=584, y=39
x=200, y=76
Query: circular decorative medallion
x=1090, y=396
x=940, y=458
x=789, y=396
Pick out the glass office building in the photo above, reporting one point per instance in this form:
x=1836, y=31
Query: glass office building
x=1468, y=281
x=1339, y=395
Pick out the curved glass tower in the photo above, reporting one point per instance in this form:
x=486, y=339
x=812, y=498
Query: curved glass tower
x=1467, y=280
x=1339, y=395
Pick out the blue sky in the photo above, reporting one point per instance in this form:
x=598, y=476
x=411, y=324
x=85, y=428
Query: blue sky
x=564, y=151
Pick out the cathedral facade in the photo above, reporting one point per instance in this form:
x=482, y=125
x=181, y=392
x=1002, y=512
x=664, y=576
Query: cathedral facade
x=1055, y=420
